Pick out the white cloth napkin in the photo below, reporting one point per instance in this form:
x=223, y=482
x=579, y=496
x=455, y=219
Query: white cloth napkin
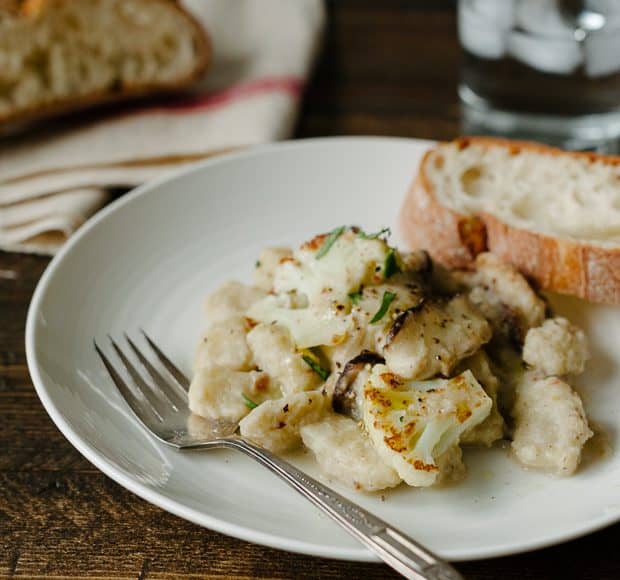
x=54, y=179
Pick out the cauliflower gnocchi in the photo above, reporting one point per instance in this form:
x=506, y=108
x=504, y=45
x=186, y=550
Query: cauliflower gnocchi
x=385, y=367
x=551, y=425
x=274, y=352
x=345, y=453
x=276, y=424
x=504, y=297
x=220, y=393
x=225, y=345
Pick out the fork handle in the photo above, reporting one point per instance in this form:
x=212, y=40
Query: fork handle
x=396, y=549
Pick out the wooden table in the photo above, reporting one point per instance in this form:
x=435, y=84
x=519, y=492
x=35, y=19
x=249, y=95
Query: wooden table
x=389, y=67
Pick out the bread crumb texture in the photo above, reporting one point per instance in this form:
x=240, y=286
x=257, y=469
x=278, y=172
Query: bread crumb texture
x=532, y=187
x=60, y=50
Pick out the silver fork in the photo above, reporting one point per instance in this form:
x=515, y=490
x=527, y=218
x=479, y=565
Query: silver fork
x=161, y=405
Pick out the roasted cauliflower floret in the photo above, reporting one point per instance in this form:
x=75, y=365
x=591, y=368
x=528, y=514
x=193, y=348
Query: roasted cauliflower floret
x=225, y=345
x=331, y=266
x=344, y=453
x=275, y=424
x=504, y=296
x=433, y=337
x=329, y=289
x=492, y=428
x=413, y=424
x=220, y=393
x=231, y=299
x=556, y=347
x=274, y=352
x=265, y=267
x=310, y=326
x=550, y=425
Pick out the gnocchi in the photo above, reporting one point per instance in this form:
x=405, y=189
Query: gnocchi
x=384, y=365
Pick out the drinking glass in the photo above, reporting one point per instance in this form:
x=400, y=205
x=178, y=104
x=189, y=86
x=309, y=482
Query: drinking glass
x=547, y=70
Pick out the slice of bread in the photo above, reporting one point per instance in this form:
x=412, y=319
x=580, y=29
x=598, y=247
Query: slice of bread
x=59, y=55
x=554, y=215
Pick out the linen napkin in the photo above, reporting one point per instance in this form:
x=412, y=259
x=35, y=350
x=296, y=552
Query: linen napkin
x=54, y=179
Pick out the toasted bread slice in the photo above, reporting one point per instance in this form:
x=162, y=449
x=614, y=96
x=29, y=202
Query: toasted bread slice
x=554, y=215
x=60, y=55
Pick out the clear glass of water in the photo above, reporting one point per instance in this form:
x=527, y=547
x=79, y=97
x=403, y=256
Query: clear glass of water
x=547, y=70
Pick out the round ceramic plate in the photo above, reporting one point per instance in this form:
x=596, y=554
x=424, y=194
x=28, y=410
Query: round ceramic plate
x=149, y=259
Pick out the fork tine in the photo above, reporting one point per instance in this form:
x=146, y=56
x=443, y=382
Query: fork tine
x=143, y=412
x=170, y=367
x=175, y=395
x=160, y=408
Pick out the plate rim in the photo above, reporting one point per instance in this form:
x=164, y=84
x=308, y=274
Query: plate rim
x=177, y=508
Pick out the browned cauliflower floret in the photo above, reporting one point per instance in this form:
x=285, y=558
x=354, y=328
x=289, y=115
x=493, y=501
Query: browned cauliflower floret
x=412, y=424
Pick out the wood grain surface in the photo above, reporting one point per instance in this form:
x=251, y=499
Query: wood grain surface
x=389, y=67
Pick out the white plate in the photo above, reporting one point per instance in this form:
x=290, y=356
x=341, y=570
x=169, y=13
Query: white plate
x=150, y=258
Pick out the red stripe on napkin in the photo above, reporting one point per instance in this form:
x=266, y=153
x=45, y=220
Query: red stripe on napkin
x=289, y=85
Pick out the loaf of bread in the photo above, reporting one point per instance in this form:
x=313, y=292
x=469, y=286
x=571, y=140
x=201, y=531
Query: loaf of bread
x=554, y=215
x=58, y=55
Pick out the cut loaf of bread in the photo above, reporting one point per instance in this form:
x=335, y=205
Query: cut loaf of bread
x=58, y=55
x=554, y=215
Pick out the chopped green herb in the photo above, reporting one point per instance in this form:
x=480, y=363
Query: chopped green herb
x=329, y=241
x=249, y=403
x=257, y=264
x=388, y=298
x=355, y=297
x=390, y=266
x=316, y=367
x=374, y=236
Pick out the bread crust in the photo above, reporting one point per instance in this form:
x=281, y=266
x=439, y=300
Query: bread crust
x=561, y=265
x=34, y=8
x=451, y=238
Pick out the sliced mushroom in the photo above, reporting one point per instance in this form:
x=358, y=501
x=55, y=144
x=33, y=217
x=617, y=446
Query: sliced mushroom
x=344, y=397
